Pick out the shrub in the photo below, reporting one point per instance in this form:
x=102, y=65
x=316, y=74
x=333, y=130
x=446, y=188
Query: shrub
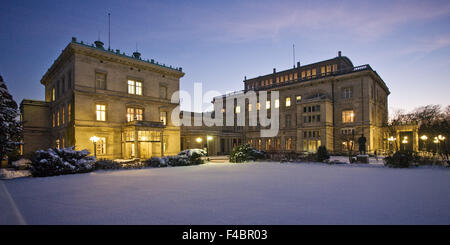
x=400, y=159
x=107, y=164
x=243, y=153
x=322, y=154
x=61, y=161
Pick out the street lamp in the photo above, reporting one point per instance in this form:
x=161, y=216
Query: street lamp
x=424, y=138
x=208, y=138
x=94, y=140
x=391, y=139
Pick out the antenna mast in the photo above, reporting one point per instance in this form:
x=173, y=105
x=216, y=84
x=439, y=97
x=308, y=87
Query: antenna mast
x=293, y=54
x=109, y=30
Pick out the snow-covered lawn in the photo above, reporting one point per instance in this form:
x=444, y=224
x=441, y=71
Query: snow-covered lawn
x=225, y=193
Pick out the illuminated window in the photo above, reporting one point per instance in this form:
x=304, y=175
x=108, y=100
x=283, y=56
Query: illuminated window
x=268, y=104
x=313, y=72
x=286, y=78
x=53, y=119
x=131, y=87
x=303, y=74
x=134, y=87
x=249, y=107
x=138, y=88
x=348, y=116
x=257, y=106
x=328, y=68
x=271, y=80
x=69, y=112
x=322, y=70
x=58, y=144
x=134, y=114
x=101, y=112
x=289, y=143
x=290, y=76
x=100, y=80
x=278, y=79
x=63, y=114
x=288, y=101
x=281, y=79
x=57, y=118
x=101, y=146
x=163, y=117
x=298, y=98
x=237, y=109
x=308, y=73
x=53, y=94
x=295, y=76
x=277, y=103
x=334, y=67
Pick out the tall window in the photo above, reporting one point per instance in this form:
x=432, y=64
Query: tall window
x=57, y=118
x=268, y=104
x=289, y=143
x=313, y=71
x=249, y=107
x=308, y=73
x=298, y=98
x=163, y=92
x=288, y=121
x=134, y=114
x=69, y=112
x=277, y=103
x=53, y=119
x=328, y=68
x=295, y=76
x=163, y=117
x=238, y=109
x=348, y=116
x=322, y=70
x=334, y=67
x=288, y=101
x=257, y=106
x=101, y=146
x=134, y=87
x=101, y=112
x=347, y=93
x=53, y=94
x=303, y=74
x=63, y=115
x=100, y=80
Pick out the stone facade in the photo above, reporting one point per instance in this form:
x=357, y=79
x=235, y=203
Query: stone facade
x=329, y=103
x=123, y=100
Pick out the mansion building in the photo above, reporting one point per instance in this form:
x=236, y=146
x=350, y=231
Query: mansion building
x=124, y=103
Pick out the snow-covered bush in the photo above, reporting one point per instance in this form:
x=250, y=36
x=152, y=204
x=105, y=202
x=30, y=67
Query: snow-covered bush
x=61, y=161
x=189, y=152
x=107, y=164
x=193, y=158
x=400, y=159
x=21, y=164
x=243, y=153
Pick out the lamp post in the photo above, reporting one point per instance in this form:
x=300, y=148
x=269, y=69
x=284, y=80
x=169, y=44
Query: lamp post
x=391, y=139
x=436, y=141
x=440, y=138
x=424, y=138
x=405, y=141
x=94, y=140
x=208, y=138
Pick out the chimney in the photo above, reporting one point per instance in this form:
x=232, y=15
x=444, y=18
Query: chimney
x=339, y=53
x=274, y=70
x=74, y=39
x=245, y=78
x=298, y=64
x=118, y=51
x=137, y=55
x=99, y=44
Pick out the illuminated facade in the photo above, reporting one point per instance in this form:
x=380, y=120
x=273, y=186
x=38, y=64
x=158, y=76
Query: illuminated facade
x=328, y=103
x=92, y=91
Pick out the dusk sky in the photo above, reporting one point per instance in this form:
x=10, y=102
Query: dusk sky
x=217, y=43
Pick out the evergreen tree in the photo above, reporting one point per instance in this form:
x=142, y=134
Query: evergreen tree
x=10, y=129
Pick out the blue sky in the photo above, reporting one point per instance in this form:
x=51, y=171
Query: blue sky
x=219, y=42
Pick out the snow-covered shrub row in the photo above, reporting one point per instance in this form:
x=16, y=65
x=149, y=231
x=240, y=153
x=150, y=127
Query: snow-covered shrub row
x=61, y=161
x=400, y=159
x=193, y=158
x=243, y=153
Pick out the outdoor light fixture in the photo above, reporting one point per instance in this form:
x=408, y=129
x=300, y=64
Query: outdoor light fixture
x=208, y=138
x=436, y=140
x=391, y=138
x=440, y=137
x=405, y=140
x=199, y=140
x=423, y=137
x=94, y=140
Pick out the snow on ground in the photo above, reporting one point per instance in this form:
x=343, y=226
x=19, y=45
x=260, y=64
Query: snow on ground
x=6, y=173
x=225, y=193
